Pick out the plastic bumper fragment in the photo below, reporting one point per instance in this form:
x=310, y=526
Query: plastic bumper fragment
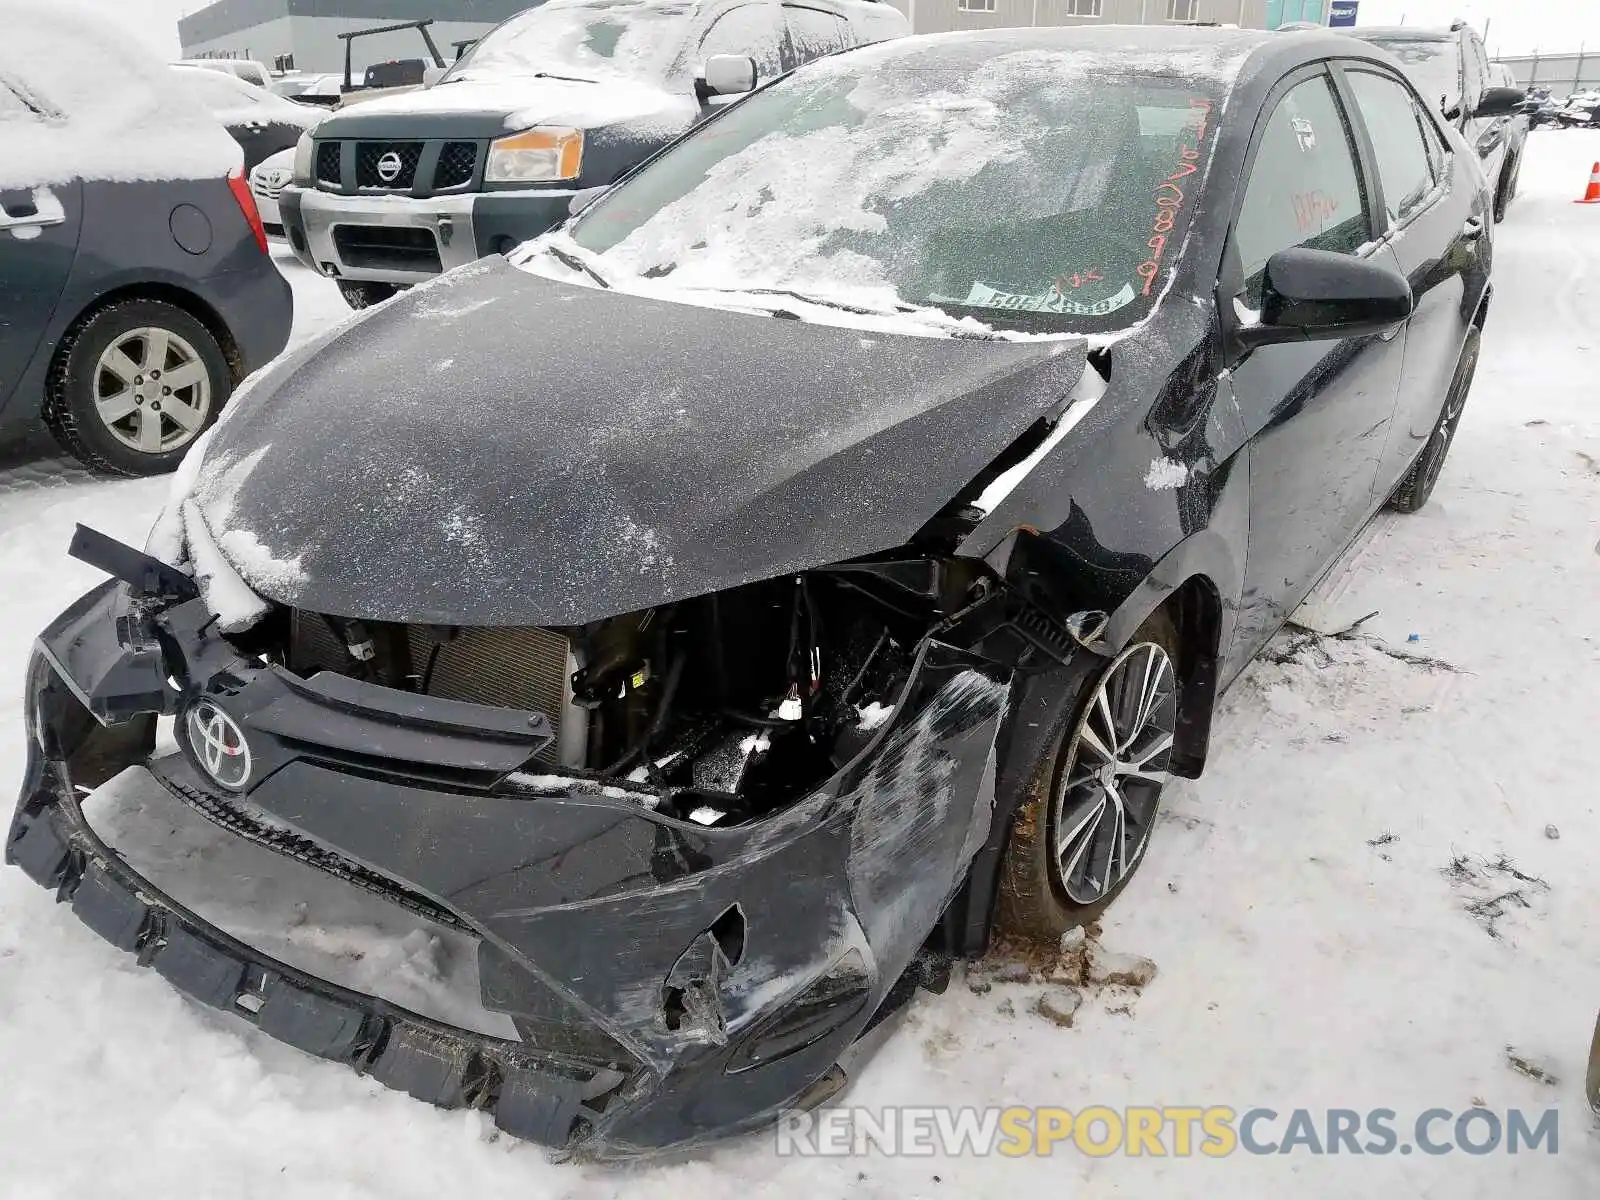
x=530, y=1097
x=111, y=910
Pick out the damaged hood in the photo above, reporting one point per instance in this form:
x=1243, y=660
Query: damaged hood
x=494, y=448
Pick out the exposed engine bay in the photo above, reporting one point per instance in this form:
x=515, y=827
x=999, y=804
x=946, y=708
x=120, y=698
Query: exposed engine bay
x=730, y=705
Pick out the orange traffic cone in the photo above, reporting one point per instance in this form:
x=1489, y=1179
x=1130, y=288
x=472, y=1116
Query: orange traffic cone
x=1592, y=196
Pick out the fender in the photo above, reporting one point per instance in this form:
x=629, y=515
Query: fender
x=1203, y=576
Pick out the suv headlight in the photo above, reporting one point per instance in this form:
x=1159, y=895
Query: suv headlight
x=302, y=160
x=535, y=156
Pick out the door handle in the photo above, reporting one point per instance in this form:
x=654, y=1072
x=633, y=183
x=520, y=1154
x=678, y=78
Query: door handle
x=1473, y=229
x=33, y=220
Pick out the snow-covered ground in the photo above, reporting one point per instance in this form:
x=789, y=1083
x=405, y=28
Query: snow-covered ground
x=1313, y=949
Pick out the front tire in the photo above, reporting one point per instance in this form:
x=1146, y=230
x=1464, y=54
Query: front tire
x=1418, y=483
x=1085, y=824
x=1507, y=191
x=364, y=293
x=134, y=385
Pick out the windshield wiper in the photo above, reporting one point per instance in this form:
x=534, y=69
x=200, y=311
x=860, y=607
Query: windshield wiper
x=824, y=302
x=470, y=78
x=568, y=259
x=900, y=308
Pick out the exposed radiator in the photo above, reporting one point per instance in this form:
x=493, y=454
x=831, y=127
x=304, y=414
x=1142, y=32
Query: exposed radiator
x=524, y=667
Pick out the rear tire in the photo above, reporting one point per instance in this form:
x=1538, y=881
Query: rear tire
x=134, y=385
x=1418, y=483
x=1084, y=826
x=364, y=293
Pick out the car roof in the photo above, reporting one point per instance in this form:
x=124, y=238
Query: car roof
x=1240, y=53
x=1405, y=33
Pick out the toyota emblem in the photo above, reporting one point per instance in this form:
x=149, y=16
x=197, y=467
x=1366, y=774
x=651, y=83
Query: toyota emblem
x=389, y=167
x=219, y=745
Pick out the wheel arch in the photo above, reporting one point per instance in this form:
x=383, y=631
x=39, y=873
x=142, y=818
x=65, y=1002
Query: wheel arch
x=1198, y=583
x=166, y=293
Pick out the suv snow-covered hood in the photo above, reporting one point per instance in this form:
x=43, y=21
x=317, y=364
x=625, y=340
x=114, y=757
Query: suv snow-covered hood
x=487, y=108
x=496, y=448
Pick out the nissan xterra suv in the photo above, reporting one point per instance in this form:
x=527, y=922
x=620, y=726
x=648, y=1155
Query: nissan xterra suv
x=557, y=100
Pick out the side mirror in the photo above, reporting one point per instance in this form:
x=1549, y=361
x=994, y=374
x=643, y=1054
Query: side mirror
x=1499, y=102
x=726, y=75
x=1314, y=295
x=582, y=200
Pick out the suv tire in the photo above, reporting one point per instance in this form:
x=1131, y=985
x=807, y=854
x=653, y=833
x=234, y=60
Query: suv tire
x=364, y=293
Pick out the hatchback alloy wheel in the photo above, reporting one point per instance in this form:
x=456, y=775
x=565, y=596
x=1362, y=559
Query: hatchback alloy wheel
x=152, y=390
x=1105, y=803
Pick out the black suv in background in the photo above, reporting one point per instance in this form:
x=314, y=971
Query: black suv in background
x=556, y=100
x=1451, y=68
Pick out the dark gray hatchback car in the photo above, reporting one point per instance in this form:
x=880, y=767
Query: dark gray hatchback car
x=135, y=286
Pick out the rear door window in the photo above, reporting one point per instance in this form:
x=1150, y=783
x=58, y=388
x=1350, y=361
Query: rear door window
x=1395, y=126
x=1304, y=188
x=752, y=30
x=813, y=33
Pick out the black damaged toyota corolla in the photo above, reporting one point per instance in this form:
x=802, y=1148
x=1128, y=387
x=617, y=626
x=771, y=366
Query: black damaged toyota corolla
x=816, y=556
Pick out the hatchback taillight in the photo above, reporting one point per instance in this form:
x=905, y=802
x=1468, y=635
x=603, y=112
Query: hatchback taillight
x=247, y=205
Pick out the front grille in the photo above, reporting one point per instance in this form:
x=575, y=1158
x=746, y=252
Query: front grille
x=387, y=247
x=457, y=161
x=268, y=193
x=400, y=157
x=454, y=167
x=328, y=163
x=523, y=668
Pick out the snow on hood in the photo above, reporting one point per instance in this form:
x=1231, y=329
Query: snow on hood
x=527, y=102
x=108, y=109
x=591, y=453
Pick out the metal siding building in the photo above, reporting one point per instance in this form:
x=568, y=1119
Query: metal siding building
x=1561, y=73
x=940, y=16
x=308, y=29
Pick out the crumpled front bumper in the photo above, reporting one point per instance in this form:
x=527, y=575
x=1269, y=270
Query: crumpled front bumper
x=671, y=982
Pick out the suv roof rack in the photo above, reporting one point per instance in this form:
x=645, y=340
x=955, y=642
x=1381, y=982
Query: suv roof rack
x=349, y=38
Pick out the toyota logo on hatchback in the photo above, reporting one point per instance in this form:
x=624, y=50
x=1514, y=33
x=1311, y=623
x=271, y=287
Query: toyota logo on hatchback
x=219, y=745
x=389, y=167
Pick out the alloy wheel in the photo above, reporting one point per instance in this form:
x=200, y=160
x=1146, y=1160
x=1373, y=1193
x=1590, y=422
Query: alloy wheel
x=1108, y=792
x=152, y=390
x=1443, y=435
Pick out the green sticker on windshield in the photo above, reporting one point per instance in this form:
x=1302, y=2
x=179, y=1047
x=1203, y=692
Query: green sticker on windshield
x=1053, y=301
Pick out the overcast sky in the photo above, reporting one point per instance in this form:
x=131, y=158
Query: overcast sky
x=1515, y=26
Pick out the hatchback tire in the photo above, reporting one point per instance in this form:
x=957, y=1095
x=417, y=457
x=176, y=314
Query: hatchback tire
x=1417, y=485
x=364, y=293
x=1084, y=826
x=133, y=387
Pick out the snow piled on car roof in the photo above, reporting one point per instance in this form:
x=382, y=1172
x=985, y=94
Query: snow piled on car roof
x=95, y=105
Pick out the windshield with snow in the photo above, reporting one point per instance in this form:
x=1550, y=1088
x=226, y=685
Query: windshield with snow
x=1434, y=66
x=582, y=39
x=1041, y=189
